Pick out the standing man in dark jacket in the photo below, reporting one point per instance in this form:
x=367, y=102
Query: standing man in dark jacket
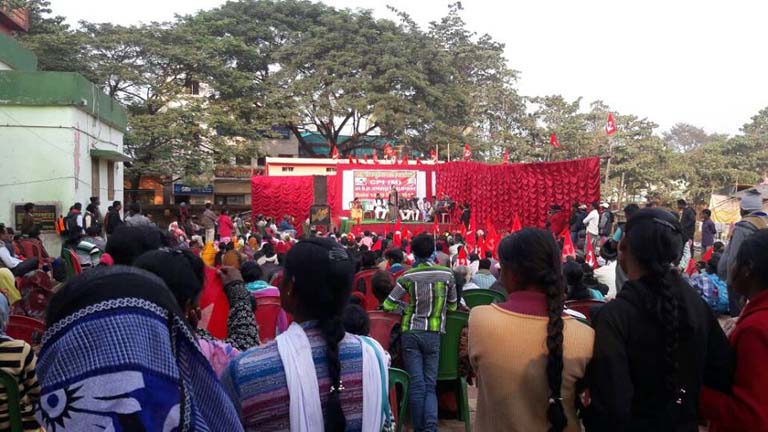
x=687, y=220
x=708, y=230
x=113, y=217
x=577, y=221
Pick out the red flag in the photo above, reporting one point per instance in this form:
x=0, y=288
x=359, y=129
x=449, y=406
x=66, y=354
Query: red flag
x=589, y=256
x=418, y=161
x=467, y=152
x=610, y=125
x=407, y=234
x=435, y=227
x=405, y=160
x=461, y=258
x=376, y=157
x=357, y=160
x=350, y=160
x=516, y=225
x=463, y=231
x=398, y=224
x=708, y=254
x=553, y=141
x=481, y=245
x=365, y=157
x=376, y=246
x=388, y=150
x=334, y=152
x=568, y=249
x=433, y=155
x=691, y=269
x=506, y=156
x=213, y=304
x=397, y=238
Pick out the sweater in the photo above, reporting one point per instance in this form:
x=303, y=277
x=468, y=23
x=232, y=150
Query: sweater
x=626, y=376
x=746, y=407
x=509, y=354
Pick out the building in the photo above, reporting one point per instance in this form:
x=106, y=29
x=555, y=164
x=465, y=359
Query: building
x=13, y=20
x=62, y=141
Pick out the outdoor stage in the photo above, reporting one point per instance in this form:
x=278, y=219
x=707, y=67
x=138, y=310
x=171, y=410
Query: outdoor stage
x=380, y=227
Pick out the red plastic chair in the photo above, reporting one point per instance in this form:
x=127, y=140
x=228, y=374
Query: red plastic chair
x=583, y=306
x=362, y=283
x=382, y=324
x=267, y=311
x=25, y=328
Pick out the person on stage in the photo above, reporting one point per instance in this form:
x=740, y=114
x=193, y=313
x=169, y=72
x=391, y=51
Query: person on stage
x=393, y=201
x=465, y=215
x=380, y=209
x=357, y=211
x=406, y=212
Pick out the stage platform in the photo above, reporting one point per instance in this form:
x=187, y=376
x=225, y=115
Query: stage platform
x=380, y=227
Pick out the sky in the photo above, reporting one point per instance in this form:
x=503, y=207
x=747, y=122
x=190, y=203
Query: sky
x=699, y=62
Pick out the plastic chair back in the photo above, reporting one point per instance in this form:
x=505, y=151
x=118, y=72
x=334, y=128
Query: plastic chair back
x=382, y=324
x=11, y=388
x=401, y=378
x=477, y=297
x=362, y=283
x=267, y=311
x=25, y=328
x=449, y=345
x=584, y=306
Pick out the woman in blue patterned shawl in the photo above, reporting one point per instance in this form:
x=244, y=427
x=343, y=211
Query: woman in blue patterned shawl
x=117, y=356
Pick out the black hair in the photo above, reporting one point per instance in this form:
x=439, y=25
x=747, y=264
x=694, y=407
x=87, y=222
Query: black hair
x=135, y=207
x=180, y=269
x=485, y=264
x=573, y=272
x=489, y=254
x=381, y=284
x=681, y=203
x=595, y=205
x=751, y=256
x=78, y=206
x=208, y=205
x=533, y=256
x=28, y=206
x=655, y=240
x=368, y=259
x=116, y=203
x=422, y=246
x=129, y=242
x=321, y=272
x=718, y=246
x=268, y=250
x=473, y=257
x=630, y=210
x=707, y=212
x=35, y=231
x=356, y=320
x=395, y=255
x=92, y=230
x=251, y=271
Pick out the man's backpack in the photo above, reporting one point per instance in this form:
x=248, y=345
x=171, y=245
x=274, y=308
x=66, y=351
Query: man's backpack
x=60, y=226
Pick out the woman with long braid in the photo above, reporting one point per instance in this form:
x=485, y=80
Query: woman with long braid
x=314, y=373
x=658, y=341
x=527, y=353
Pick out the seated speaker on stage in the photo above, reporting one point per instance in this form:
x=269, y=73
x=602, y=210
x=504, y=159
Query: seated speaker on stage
x=422, y=206
x=406, y=213
x=380, y=208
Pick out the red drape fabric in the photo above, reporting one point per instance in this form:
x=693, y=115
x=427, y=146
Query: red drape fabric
x=498, y=192
x=280, y=196
x=494, y=192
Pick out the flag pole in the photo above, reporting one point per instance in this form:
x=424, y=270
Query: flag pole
x=449, y=151
x=608, y=163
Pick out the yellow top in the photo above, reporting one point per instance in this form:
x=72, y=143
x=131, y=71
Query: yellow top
x=508, y=352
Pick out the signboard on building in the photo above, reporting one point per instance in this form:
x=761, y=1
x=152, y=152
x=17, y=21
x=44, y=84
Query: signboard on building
x=45, y=216
x=368, y=183
x=182, y=189
x=233, y=172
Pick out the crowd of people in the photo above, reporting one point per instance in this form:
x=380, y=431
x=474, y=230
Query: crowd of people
x=128, y=345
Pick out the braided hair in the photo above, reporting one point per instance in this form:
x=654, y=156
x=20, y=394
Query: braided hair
x=533, y=256
x=655, y=240
x=321, y=272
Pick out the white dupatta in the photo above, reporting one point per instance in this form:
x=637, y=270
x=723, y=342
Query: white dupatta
x=306, y=412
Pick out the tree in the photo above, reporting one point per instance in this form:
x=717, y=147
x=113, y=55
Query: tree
x=684, y=137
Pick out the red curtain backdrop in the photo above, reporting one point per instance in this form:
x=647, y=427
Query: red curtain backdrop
x=499, y=191
x=280, y=196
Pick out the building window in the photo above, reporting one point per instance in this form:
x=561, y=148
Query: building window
x=243, y=160
x=230, y=200
x=330, y=170
x=286, y=155
x=95, y=180
x=287, y=169
x=110, y=181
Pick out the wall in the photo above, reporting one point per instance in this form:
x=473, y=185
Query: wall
x=46, y=159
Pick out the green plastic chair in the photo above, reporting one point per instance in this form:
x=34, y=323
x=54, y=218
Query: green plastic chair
x=401, y=377
x=12, y=394
x=448, y=369
x=477, y=297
